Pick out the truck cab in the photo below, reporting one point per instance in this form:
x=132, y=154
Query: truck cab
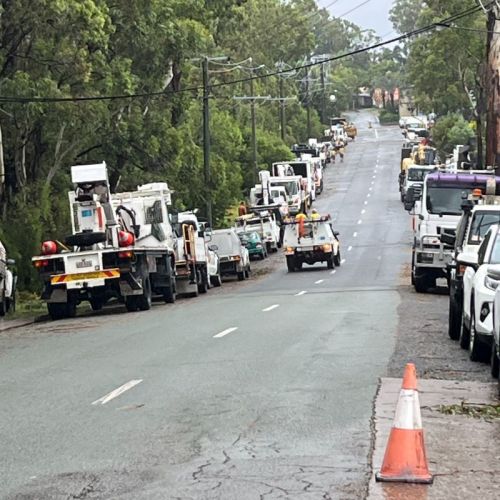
x=415, y=175
x=264, y=223
x=305, y=170
x=437, y=207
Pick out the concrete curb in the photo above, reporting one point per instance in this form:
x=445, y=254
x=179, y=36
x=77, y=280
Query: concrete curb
x=6, y=325
x=462, y=451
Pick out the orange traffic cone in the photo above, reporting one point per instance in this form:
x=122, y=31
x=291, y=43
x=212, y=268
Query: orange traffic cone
x=404, y=459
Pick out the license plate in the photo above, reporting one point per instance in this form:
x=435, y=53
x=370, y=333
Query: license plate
x=84, y=263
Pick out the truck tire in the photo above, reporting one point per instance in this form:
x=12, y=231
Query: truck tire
x=202, y=281
x=477, y=350
x=241, y=275
x=454, y=318
x=96, y=303
x=145, y=300
x=247, y=272
x=494, y=360
x=169, y=292
x=337, y=259
x=61, y=310
x=290, y=263
x=464, y=334
x=216, y=280
x=422, y=283
x=330, y=263
x=3, y=305
x=131, y=303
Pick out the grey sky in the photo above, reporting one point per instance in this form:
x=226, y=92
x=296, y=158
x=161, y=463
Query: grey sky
x=374, y=14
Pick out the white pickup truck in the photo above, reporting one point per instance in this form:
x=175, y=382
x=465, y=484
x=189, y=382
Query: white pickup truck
x=7, y=283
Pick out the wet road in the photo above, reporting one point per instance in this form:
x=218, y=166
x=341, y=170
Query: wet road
x=263, y=390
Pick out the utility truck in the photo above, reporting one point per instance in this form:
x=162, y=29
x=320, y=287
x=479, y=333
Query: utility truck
x=264, y=223
x=302, y=168
x=196, y=265
x=7, y=283
x=310, y=241
x=437, y=207
x=121, y=246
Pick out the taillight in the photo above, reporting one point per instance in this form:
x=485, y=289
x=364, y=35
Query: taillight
x=126, y=255
x=41, y=263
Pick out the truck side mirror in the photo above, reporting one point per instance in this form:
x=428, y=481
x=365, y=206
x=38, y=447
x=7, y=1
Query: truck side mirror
x=448, y=239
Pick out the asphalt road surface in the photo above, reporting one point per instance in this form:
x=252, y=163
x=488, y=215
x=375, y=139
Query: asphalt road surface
x=257, y=390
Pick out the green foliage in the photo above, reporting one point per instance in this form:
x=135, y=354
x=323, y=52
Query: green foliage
x=449, y=131
x=388, y=117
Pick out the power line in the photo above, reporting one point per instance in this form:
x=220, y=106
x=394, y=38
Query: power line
x=354, y=8
x=168, y=92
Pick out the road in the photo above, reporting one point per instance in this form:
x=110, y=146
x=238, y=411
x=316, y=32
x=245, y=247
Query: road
x=227, y=396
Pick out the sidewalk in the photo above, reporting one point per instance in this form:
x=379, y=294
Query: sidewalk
x=463, y=451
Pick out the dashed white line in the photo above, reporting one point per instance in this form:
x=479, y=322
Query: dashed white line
x=370, y=188
x=349, y=249
x=368, y=195
x=342, y=261
x=363, y=211
x=303, y=292
x=355, y=234
x=270, y=308
x=374, y=176
x=360, y=221
x=318, y=282
x=366, y=203
x=225, y=332
x=119, y=390
x=334, y=271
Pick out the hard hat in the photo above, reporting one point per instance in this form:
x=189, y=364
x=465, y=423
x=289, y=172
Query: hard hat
x=314, y=211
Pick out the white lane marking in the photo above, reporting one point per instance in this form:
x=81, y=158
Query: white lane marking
x=114, y=394
x=368, y=195
x=270, y=308
x=334, y=271
x=303, y=292
x=363, y=211
x=349, y=249
x=360, y=221
x=370, y=188
x=318, y=282
x=366, y=203
x=376, y=133
x=225, y=332
x=373, y=182
x=342, y=261
x=355, y=234
x=374, y=176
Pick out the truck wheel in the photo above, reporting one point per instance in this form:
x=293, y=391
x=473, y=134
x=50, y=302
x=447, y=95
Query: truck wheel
x=241, y=276
x=131, y=303
x=247, y=272
x=61, y=310
x=216, y=280
x=464, y=334
x=202, y=281
x=494, y=361
x=337, y=259
x=330, y=263
x=454, y=319
x=421, y=283
x=3, y=305
x=96, y=303
x=476, y=348
x=290, y=263
x=144, y=301
x=269, y=248
x=169, y=292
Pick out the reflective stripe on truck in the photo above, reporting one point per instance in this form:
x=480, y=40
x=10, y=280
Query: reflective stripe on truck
x=65, y=278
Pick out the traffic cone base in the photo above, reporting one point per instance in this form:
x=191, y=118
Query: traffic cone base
x=405, y=459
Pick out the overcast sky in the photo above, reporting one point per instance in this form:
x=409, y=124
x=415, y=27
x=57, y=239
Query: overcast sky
x=373, y=14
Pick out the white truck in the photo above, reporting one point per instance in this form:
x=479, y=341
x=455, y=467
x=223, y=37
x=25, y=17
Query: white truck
x=197, y=266
x=437, y=207
x=294, y=195
x=7, y=283
x=302, y=168
x=121, y=246
x=415, y=174
x=309, y=241
x=234, y=257
x=264, y=223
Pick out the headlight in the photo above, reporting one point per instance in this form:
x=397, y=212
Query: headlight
x=490, y=283
x=258, y=245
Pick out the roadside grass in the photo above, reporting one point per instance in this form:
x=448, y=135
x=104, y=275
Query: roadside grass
x=474, y=410
x=28, y=304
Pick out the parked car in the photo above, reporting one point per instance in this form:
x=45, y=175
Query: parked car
x=233, y=256
x=253, y=243
x=479, y=290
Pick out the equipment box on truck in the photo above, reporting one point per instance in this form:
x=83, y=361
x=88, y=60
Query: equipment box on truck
x=233, y=256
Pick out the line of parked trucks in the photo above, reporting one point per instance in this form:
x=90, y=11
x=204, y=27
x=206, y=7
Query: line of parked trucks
x=456, y=236
x=133, y=246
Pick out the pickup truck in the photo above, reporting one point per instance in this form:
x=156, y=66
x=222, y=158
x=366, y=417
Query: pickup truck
x=233, y=256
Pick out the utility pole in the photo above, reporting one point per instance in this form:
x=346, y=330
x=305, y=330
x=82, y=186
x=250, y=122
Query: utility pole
x=323, y=95
x=308, y=105
x=282, y=110
x=206, y=139
x=254, y=130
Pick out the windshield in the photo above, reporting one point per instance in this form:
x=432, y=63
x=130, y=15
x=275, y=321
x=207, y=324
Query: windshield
x=480, y=225
x=300, y=169
x=225, y=243
x=252, y=236
x=417, y=174
x=495, y=252
x=291, y=187
x=446, y=200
